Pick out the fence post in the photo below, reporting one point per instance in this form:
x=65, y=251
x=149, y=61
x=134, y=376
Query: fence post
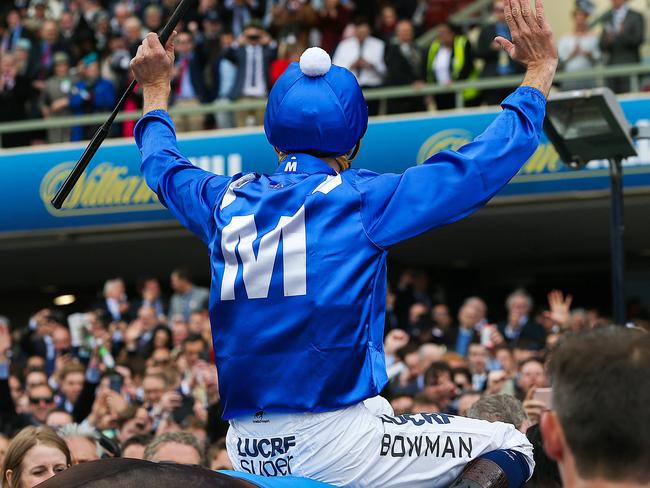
x=460, y=101
x=634, y=83
x=383, y=106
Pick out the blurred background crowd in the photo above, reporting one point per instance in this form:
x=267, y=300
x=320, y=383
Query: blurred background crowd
x=134, y=372
x=71, y=57
x=128, y=368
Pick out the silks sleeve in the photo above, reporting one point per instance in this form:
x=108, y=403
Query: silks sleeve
x=452, y=184
x=189, y=192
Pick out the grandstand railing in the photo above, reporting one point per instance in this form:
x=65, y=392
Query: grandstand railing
x=600, y=74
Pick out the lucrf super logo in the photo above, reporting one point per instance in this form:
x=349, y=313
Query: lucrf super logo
x=266, y=456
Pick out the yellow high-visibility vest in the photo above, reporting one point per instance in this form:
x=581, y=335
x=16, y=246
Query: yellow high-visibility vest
x=456, y=66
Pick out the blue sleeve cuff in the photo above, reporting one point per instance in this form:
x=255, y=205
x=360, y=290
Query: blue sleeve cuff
x=527, y=92
x=531, y=91
x=529, y=103
x=512, y=463
x=138, y=131
x=530, y=100
x=4, y=371
x=93, y=375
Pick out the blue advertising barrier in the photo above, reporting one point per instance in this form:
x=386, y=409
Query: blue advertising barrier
x=112, y=191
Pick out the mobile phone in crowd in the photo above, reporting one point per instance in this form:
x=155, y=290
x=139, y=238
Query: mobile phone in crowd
x=544, y=395
x=115, y=382
x=486, y=335
x=79, y=327
x=183, y=410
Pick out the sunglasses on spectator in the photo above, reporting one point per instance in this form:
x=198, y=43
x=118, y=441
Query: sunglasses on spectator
x=37, y=400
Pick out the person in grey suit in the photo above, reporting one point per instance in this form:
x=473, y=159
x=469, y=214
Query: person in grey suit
x=55, y=97
x=187, y=297
x=623, y=34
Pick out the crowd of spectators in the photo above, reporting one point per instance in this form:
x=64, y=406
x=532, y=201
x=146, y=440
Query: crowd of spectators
x=110, y=378
x=132, y=374
x=67, y=57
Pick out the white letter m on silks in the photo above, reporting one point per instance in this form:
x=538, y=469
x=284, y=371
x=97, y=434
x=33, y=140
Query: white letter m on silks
x=240, y=234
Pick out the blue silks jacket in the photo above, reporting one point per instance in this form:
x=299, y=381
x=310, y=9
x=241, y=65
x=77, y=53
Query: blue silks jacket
x=298, y=257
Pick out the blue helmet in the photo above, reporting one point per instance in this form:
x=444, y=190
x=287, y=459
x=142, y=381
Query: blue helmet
x=316, y=107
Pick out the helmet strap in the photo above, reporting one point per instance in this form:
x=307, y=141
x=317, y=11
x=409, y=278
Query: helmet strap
x=344, y=161
x=281, y=155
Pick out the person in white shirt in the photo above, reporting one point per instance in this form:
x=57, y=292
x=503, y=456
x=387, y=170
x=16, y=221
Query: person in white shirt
x=579, y=50
x=364, y=56
x=450, y=58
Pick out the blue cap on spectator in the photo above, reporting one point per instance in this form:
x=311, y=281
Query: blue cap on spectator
x=24, y=43
x=89, y=59
x=586, y=6
x=316, y=107
x=211, y=16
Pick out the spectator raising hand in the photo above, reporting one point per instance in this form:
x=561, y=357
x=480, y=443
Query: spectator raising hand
x=560, y=308
x=533, y=407
x=395, y=339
